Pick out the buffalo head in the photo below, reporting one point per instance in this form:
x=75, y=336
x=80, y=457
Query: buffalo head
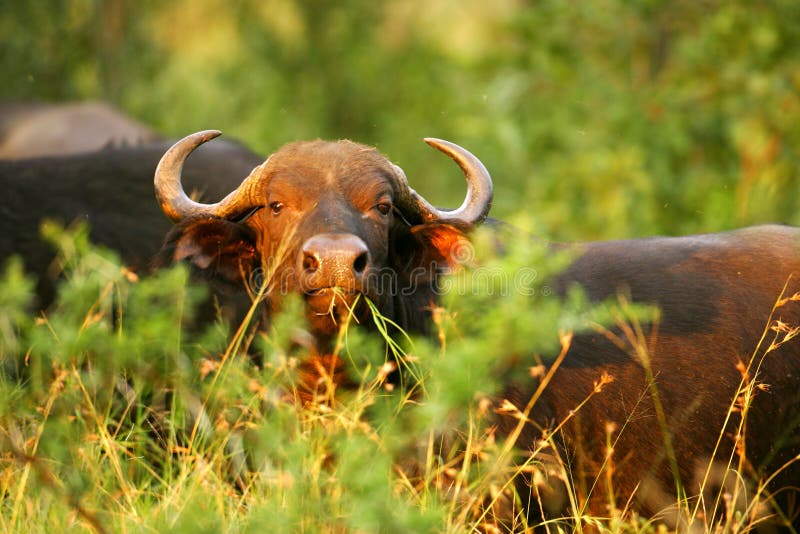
x=332, y=221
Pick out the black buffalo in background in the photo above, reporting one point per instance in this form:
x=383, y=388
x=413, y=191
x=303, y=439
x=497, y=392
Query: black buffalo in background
x=35, y=129
x=88, y=162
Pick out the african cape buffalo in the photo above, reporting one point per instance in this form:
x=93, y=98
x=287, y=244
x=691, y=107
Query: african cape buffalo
x=329, y=219
x=112, y=191
x=297, y=226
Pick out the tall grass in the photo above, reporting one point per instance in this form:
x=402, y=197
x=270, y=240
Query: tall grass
x=119, y=414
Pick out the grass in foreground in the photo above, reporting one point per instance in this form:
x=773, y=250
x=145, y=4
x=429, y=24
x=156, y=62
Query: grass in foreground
x=114, y=419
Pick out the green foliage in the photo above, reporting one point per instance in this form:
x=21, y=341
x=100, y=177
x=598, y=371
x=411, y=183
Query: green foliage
x=16, y=293
x=124, y=416
x=605, y=118
x=602, y=119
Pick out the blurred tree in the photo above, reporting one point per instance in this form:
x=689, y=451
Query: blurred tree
x=606, y=118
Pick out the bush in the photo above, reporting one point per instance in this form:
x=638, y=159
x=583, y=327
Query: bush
x=121, y=417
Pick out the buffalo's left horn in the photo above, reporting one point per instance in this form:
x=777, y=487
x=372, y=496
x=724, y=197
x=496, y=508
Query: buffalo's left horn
x=174, y=201
x=478, y=200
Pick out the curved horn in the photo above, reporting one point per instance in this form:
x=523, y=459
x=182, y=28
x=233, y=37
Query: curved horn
x=174, y=201
x=478, y=200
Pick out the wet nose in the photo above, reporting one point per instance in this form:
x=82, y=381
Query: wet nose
x=334, y=260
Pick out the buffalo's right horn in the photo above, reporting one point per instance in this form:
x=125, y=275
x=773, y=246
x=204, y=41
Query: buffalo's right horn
x=477, y=201
x=174, y=201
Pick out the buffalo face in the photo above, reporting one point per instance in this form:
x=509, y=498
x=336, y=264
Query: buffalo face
x=332, y=221
x=325, y=228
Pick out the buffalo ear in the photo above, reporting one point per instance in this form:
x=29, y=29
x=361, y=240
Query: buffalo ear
x=433, y=248
x=220, y=250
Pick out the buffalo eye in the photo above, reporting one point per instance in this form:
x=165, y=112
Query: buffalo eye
x=384, y=208
x=276, y=207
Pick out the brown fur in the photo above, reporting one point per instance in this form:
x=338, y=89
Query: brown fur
x=715, y=292
x=330, y=188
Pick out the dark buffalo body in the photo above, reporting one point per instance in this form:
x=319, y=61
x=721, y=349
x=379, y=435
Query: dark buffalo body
x=112, y=190
x=715, y=295
x=334, y=220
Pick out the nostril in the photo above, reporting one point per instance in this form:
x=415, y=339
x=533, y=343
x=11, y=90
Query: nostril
x=360, y=262
x=334, y=260
x=310, y=262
